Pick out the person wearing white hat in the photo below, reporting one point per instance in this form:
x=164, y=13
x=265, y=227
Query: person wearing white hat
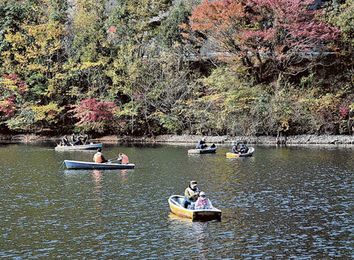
x=203, y=202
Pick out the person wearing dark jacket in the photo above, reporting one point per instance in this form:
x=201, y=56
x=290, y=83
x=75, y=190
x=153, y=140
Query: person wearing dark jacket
x=201, y=144
x=243, y=148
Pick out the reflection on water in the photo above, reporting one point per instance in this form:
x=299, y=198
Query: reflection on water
x=179, y=219
x=97, y=178
x=196, y=233
x=281, y=203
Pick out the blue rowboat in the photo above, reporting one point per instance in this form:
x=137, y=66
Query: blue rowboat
x=92, y=165
x=175, y=202
x=203, y=151
x=77, y=147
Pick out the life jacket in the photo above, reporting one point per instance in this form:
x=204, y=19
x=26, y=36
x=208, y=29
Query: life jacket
x=97, y=158
x=125, y=159
x=202, y=203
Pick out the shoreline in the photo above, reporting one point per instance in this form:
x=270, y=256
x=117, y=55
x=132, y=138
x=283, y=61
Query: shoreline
x=192, y=139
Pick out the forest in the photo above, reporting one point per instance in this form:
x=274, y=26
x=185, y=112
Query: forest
x=151, y=67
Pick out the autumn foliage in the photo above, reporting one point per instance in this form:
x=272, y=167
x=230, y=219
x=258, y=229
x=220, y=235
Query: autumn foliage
x=12, y=89
x=269, y=36
x=93, y=113
x=140, y=67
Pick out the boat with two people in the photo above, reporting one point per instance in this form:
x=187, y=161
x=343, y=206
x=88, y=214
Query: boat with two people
x=242, y=151
x=100, y=162
x=176, y=205
x=203, y=148
x=70, y=164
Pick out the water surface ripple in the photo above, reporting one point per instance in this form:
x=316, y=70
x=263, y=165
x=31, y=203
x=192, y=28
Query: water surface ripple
x=281, y=203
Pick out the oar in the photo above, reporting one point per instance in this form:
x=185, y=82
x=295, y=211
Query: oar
x=61, y=165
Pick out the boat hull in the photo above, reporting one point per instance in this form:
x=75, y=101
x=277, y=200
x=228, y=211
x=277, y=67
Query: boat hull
x=202, y=214
x=202, y=151
x=77, y=147
x=236, y=155
x=92, y=165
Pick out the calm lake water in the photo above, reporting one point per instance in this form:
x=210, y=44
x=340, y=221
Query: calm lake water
x=285, y=202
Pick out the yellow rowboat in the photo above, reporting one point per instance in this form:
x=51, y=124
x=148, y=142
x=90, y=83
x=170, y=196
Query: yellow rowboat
x=176, y=207
x=236, y=155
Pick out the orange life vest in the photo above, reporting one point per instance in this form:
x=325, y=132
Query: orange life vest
x=125, y=159
x=97, y=158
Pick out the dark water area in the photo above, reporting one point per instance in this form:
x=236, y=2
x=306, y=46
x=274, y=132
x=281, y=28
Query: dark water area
x=285, y=202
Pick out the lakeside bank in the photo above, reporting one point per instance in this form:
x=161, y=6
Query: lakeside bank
x=189, y=139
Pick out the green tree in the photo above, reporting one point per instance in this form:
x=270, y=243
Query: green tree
x=12, y=13
x=341, y=15
x=221, y=103
x=170, y=31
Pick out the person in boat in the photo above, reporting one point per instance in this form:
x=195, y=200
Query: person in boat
x=243, y=148
x=73, y=138
x=65, y=141
x=201, y=144
x=84, y=139
x=191, y=194
x=123, y=158
x=98, y=157
x=234, y=148
x=203, y=202
x=78, y=140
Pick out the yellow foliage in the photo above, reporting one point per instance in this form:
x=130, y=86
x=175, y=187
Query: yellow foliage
x=327, y=102
x=34, y=67
x=48, y=112
x=50, y=90
x=88, y=65
x=46, y=38
x=32, y=47
x=8, y=84
x=4, y=103
x=125, y=71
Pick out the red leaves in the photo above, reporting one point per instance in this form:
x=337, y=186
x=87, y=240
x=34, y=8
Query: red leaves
x=11, y=76
x=112, y=29
x=216, y=15
x=10, y=95
x=52, y=112
x=260, y=27
x=8, y=106
x=343, y=112
x=295, y=22
x=91, y=110
x=19, y=83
